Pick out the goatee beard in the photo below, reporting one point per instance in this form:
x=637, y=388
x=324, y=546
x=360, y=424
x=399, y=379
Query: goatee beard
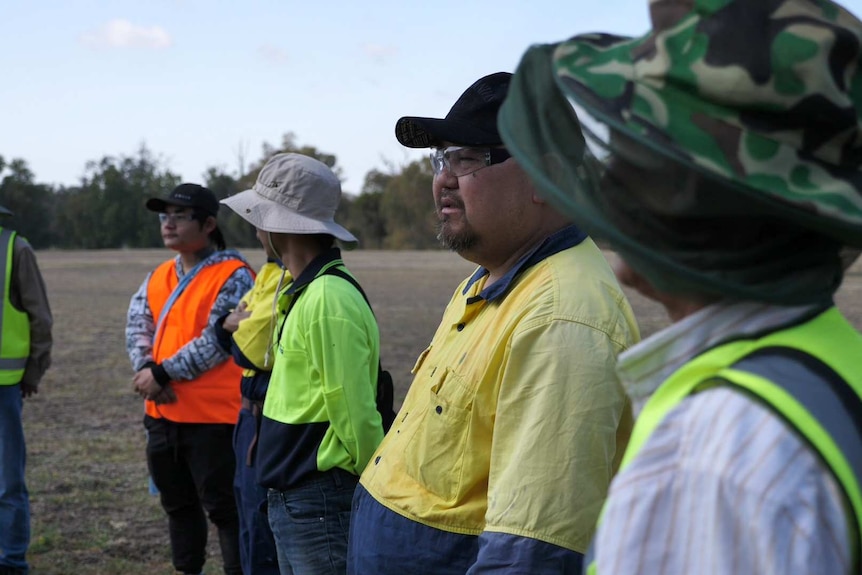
x=456, y=242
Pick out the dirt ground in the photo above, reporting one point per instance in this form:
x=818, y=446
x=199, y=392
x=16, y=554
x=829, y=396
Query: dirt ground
x=92, y=513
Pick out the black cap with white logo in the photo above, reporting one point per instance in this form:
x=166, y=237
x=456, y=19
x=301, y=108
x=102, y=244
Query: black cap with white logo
x=188, y=196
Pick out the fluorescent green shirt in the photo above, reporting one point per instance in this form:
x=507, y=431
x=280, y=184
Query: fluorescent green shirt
x=515, y=421
x=320, y=410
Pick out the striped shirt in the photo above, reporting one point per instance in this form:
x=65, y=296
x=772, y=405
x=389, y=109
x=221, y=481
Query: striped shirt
x=722, y=485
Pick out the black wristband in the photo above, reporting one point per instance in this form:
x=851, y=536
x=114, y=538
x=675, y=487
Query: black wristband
x=160, y=375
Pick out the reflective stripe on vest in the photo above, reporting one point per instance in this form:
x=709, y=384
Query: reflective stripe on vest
x=827, y=414
x=839, y=413
x=13, y=364
x=14, y=324
x=779, y=368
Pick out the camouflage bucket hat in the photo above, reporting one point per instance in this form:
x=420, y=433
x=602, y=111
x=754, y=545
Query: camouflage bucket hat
x=761, y=191
x=766, y=95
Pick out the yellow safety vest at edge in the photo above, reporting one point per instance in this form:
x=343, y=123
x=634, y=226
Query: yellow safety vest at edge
x=14, y=324
x=828, y=338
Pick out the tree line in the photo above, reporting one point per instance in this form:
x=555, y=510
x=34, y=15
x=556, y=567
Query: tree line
x=393, y=210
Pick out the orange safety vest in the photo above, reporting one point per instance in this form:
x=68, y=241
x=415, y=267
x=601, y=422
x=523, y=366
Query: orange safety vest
x=213, y=396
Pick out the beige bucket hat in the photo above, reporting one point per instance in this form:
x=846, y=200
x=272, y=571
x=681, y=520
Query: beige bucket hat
x=294, y=194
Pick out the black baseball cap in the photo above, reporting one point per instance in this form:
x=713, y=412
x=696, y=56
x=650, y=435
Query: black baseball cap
x=187, y=196
x=472, y=121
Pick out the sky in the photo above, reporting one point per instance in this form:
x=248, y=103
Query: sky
x=203, y=83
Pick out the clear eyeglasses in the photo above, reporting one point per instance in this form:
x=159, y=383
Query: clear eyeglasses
x=462, y=161
x=174, y=218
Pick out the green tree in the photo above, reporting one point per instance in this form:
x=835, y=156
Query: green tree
x=108, y=209
x=32, y=204
x=363, y=214
x=237, y=232
x=407, y=208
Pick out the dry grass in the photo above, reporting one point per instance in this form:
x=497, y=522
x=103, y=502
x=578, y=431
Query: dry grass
x=86, y=472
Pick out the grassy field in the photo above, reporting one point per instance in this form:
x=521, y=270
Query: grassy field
x=92, y=513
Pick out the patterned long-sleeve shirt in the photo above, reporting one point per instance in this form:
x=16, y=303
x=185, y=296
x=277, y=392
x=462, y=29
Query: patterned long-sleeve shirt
x=200, y=354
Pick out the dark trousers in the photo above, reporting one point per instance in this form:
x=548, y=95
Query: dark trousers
x=257, y=546
x=192, y=465
x=383, y=542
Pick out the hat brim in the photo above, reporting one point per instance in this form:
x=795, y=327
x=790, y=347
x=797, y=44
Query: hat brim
x=271, y=216
x=417, y=132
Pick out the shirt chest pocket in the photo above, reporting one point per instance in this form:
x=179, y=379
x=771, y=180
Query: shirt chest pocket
x=291, y=379
x=434, y=455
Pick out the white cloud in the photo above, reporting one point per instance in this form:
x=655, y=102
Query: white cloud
x=119, y=33
x=378, y=52
x=273, y=54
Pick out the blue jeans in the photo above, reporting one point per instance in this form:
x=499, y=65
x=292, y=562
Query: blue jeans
x=256, y=543
x=14, y=499
x=311, y=522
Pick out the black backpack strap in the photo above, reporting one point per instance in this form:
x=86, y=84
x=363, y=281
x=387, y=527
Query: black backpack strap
x=337, y=271
x=332, y=271
x=385, y=385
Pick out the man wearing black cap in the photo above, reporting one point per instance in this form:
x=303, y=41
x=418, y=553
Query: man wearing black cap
x=189, y=384
x=504, y=448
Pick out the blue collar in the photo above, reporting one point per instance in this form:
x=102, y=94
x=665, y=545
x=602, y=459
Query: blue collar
x=564, y=239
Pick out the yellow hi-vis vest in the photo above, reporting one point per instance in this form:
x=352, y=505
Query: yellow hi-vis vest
x=828, y=417
x=14, y=324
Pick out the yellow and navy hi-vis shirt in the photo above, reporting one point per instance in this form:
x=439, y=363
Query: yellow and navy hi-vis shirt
x=515, y=421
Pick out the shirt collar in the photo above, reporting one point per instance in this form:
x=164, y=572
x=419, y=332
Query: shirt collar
x=563, y=239
x=205, y=255
x=313, y=269
x=645, y=366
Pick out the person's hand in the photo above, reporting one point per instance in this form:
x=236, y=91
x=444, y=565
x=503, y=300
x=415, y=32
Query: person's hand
x=28, y=389
x=145, y=385
x=166, y=395
x=231, y=322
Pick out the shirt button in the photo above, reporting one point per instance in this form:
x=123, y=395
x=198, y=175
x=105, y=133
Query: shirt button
x=460, y=327
x=439, y=409
x=376, y=460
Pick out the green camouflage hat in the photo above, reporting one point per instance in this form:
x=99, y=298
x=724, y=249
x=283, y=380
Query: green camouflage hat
x=760, y=97
x=764, y=93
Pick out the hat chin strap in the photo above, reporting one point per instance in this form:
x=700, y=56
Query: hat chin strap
x=272, y=247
